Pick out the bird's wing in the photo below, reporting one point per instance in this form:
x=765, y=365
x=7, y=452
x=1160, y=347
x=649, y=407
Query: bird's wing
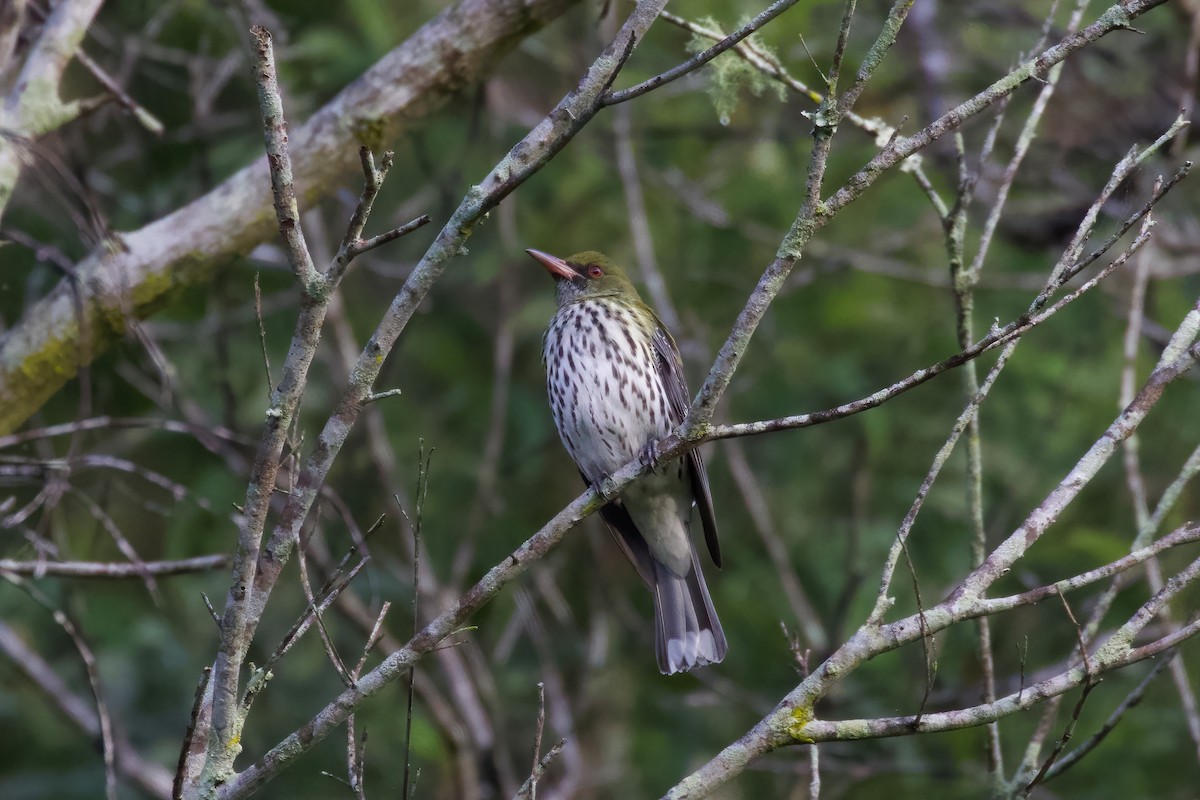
x=670, y=369
x=633, y=545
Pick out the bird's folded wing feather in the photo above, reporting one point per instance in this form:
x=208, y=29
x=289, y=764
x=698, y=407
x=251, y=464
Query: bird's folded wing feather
x=632, y=543
x=670, y=367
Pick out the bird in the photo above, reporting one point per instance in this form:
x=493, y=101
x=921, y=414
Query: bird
x=616, y=386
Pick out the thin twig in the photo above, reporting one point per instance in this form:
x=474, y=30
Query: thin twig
x=358, y=248
x=262, y=332
x=356, y=751
x=119, y=569
x=700, y=59
x=322, y=600
x=189, y=744
x=123, y=544
x=996, y=337
x=314, y=608
x=212, y=612
x=814, y=772
x=275, y=137
x=1131, y=700
x=928, y=658
x=80, y=712
x=1024, y=140
x=1089, y=684
x=839, y=48
x=1136, y=484
x=372, y=639
x=356, y=758
x=117, y=423
x=49, y=469
x=1100, y=607
x=423, y=460
x=91, y=669
x=1181, y=536
x=147, y=120
x=537, y=741
x=525, y=792
x=373, y=180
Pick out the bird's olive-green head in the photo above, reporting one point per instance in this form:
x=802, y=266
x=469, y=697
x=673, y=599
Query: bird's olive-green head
x=586, y=275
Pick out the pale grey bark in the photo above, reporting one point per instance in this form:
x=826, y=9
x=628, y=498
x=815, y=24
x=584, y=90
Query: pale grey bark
x=33, y=106
x=136, y=272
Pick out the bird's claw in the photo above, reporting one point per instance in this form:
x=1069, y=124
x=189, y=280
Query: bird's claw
x=648, y=456
x=604, y=488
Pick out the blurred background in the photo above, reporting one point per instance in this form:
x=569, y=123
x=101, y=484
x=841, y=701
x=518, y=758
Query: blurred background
x=806, y=516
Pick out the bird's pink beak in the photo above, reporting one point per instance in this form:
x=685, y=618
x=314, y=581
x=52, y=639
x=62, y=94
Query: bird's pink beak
x=553, y=264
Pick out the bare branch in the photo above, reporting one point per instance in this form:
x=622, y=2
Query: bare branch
x=1115, y=18
x=700, y=59
x=119, y=570
x=792, y=722
x=107, y=422
x=147, y=120
x=315, y=610
x=191, y=752
x=1010, y=332
x=353, y=244
x=527, y=788
x=91, y=669
x=1185, y=535
x=389, y=236
x=151, y=777
x=1131, y=700
x=1090, y=682
x=34, y=107
x=262, y=334
x=534, y=772
x=132, y=274
x=279, y=160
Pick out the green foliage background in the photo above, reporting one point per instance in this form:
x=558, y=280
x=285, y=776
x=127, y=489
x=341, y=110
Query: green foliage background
x=838, y=332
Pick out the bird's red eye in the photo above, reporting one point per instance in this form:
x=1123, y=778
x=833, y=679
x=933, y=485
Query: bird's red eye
x=594, y=271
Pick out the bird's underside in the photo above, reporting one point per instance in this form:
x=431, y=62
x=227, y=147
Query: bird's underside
x=609, y=382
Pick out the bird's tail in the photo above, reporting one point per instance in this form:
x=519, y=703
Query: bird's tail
x=687, y=632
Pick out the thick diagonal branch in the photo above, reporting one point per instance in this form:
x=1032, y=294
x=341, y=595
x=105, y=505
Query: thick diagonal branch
x=135, y=273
